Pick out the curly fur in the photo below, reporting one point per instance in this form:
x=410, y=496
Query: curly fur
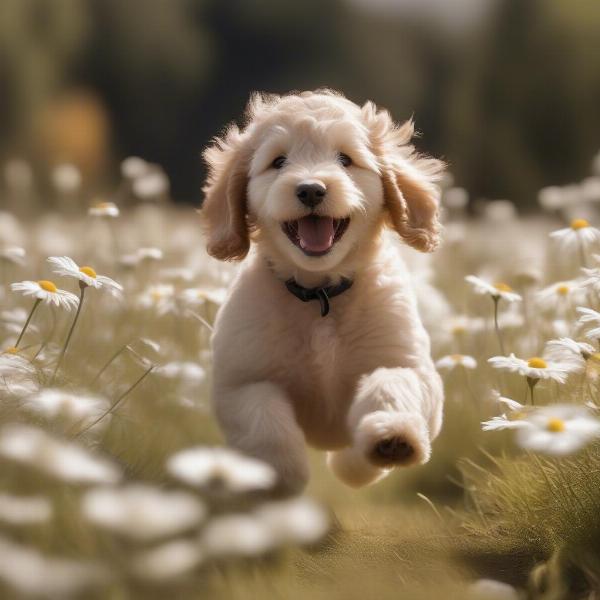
x=283, y=375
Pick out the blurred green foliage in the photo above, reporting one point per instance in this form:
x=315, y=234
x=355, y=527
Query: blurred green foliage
x=508, y=97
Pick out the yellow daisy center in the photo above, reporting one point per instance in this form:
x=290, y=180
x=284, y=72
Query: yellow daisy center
x=104, y=205
x=156, y=295
x=459, y=329
x=555, y=425
x=11, y=350
x=456, y=357
x=517, y=415
x=503, y=287
x=562, y=290
x=537, y=363
x=48, y=286
x=579, y=224
x=88, y=271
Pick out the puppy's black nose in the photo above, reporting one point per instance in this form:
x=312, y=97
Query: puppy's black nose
x=311, y=194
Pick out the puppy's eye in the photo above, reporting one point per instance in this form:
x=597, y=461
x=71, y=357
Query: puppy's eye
x=278, y=162
x=344, y=159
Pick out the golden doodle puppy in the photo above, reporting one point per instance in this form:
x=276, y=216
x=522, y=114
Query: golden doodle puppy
x=320, y=340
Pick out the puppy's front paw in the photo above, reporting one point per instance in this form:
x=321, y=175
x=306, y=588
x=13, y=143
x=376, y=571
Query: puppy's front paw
x=391, y=452
x=391, y=439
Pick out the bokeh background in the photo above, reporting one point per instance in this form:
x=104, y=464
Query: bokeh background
x=506, y=90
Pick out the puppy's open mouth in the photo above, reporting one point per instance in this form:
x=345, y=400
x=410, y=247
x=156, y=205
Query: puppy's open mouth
x=315, y=235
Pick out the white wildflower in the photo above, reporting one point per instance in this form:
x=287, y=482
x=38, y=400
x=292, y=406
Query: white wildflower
x=78, y=408
x=560, y=296
x=31, y=573
x=142, y=512
x=536, y=367
x=159, y=297
x=452, y=361
x=295, y=521
x=221, y=467
x=66, y=178
x=13, y=254
x=47, y=292
x=87, y=276
x=237, y=535
x=104, y=209
x=559, y=429
x=495, y=291
x=64, y=460
x=168, y=561
x=579, y=236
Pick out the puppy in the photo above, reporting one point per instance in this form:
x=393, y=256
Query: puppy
x=320, y=341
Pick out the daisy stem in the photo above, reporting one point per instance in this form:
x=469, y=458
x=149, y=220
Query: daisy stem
x=201, y=319
x=36, y=304
x=531, y=382
x=109, y=362
x=82, y=287
x=116, y=403
x=496, y=299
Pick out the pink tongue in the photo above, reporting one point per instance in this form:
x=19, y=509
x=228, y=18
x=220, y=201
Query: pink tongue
x=315, y=233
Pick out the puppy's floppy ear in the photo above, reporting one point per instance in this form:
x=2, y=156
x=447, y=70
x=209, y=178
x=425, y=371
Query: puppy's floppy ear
x=409, y=180
x=225, y=203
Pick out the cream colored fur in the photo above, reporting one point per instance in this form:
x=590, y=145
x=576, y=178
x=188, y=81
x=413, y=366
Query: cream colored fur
x=283, y=375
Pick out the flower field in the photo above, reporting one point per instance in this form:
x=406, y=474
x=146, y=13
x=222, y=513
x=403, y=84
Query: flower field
x=114, y=482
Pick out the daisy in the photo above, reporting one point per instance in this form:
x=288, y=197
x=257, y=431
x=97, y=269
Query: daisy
x=140, y=255
x=47, y=292
x=515, y=419
x=75, y=408
x=13, y=254
x=237, y=535
x=152, y=185
x=551, y=198
x=142, y=512
x=534, y=368
x=66, y=178
x=168, y=561
x=490, y=589
x=33, y=574
x=104, y=209
x=296, y=521
x=221, y=468
x=589, y=317
x=580, y=237
x=184, y=370
x=66, y=461
x=459, y=325
x=197, y=296
x=495, y=291
x=87, y=276
x=133, y=167
x=564, y=348
x=559, y=429
x=43, y=291
x=160, y=297
x=560, y=296
x=452, y=361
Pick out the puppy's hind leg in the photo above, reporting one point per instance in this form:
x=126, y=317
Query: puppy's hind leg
x=258, y=420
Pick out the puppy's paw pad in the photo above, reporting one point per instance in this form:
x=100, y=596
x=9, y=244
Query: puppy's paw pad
x=392, y=451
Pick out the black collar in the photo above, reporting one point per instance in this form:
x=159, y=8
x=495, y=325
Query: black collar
x=322, y=294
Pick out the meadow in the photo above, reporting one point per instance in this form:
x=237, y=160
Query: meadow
x=113, y=479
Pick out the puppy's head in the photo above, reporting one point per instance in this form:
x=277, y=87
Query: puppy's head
x=312, y=177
